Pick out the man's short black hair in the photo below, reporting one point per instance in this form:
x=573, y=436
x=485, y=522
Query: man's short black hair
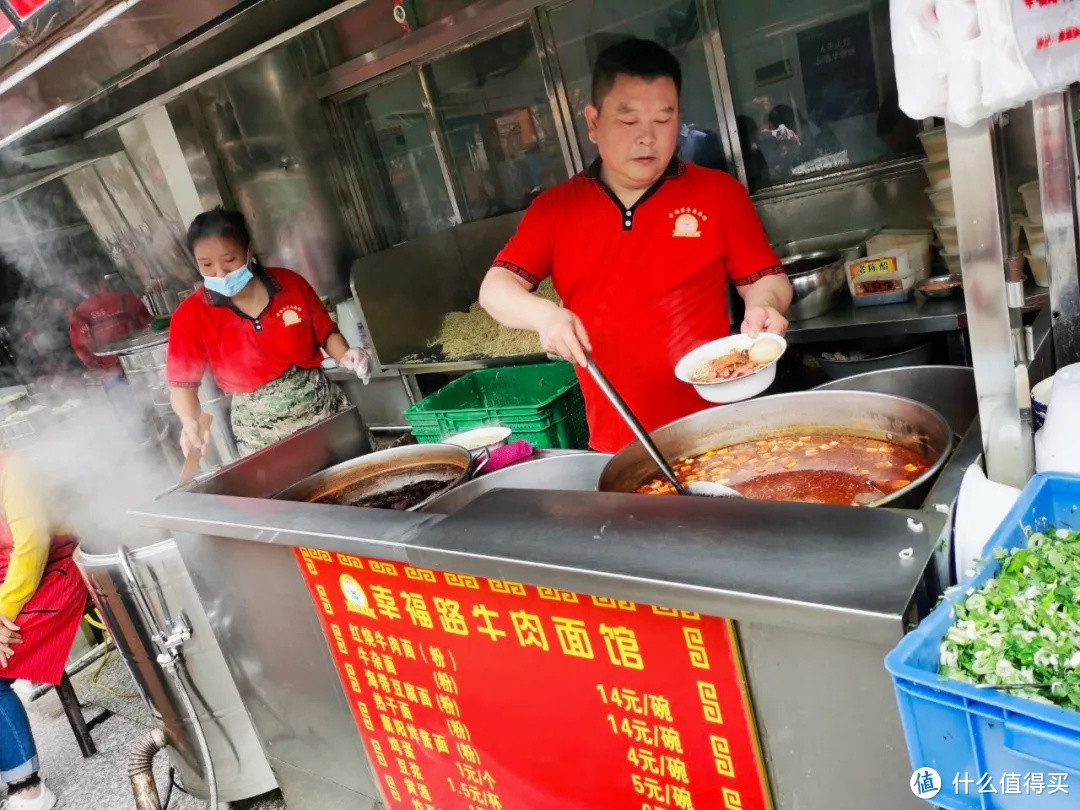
x=641, y=58
x=219, y=222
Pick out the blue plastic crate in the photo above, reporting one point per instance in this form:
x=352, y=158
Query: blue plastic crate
x=959, y=730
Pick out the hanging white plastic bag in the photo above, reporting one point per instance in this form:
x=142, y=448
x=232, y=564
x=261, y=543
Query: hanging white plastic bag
x=919, y=57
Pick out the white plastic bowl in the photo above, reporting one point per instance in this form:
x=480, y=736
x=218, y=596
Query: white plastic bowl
x=942, y=200
x=1032, y=200
x=725, y=391
x=935, y=144
x=491, y=437
x=1039, y=270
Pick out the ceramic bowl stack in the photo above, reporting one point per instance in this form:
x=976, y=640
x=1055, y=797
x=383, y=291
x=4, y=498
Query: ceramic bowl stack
x=1032, y=225
x=941, y=195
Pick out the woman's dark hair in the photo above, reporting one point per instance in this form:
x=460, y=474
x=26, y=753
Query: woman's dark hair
x=222, y=223
x=641, y=58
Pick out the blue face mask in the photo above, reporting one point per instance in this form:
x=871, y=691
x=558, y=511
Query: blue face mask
x=232, y=283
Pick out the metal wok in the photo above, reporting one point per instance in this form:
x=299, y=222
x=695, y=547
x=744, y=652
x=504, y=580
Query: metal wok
x=858, y=413
x=384, y=472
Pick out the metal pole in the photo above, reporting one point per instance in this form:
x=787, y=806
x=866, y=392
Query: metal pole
x=12, y=17
x=555, y=87
x=1055, y=145
x=442, y=149
x=716, y=60
x=1007, y=441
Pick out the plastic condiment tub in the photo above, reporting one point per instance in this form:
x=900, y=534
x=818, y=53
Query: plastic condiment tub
x=1032, y=200
x=934, y=144
x=916, y=242
x=937, y=172
x=1039, y=271
x=946, y=232
x=942, y=200
x=952, y=260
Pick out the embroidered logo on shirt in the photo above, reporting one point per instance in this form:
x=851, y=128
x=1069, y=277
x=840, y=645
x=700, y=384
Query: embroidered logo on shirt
x=290, y=316
x=687, y=222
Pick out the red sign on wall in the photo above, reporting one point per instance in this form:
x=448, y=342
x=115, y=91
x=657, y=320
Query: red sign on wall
x=478, y=694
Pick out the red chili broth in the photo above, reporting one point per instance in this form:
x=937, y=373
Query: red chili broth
x=819, y=468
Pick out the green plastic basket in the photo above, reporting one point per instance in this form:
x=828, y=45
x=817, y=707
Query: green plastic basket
x=541, y=404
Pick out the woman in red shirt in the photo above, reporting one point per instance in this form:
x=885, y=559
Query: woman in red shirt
x=261, y=332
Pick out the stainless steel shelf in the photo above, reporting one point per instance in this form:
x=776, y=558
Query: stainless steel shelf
x=918, y=316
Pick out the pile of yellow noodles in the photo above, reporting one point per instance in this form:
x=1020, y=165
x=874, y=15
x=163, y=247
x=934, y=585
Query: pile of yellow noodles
x=476, y=334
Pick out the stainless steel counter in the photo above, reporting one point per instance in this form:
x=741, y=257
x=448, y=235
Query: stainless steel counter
x=819, y=595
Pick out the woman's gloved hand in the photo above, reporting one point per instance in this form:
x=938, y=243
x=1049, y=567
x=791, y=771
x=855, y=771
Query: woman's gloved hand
x=358, y=361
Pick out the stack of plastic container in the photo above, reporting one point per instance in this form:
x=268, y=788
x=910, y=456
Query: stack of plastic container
x=941, y=195
x=1032, y=225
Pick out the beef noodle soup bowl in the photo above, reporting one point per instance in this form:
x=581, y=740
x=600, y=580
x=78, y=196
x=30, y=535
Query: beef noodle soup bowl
x=835, y=447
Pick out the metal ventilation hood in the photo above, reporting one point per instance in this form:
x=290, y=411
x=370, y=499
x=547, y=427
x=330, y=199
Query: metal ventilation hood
x=113, y=57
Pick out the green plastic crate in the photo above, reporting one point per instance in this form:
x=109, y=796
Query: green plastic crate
x=541, y=404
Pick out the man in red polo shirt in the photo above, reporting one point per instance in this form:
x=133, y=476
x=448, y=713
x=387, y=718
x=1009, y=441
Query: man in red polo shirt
x=640, y=248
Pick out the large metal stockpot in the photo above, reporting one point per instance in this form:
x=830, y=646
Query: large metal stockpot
x=384, y=471
x=859, y=413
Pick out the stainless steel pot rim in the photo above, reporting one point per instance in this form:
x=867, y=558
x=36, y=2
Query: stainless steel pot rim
x=876, y=358
x=833, y=258
x=407, y=457
x=926, y=477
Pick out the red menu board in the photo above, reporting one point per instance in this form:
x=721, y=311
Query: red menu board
x=482, y=694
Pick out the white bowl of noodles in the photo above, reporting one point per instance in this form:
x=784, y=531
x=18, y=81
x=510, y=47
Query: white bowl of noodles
x=733, y=368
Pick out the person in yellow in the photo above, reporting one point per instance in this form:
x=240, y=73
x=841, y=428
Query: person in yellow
x=42, y=600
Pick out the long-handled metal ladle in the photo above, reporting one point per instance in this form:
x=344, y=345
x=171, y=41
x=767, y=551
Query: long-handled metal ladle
x=701, y=488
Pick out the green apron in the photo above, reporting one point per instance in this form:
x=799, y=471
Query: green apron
x=296, y=400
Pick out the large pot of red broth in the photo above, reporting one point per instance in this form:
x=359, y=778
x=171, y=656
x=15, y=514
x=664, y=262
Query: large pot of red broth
x=849, y=448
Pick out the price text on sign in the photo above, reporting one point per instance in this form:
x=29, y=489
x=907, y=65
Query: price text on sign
x=875, y=267
x=478, y=694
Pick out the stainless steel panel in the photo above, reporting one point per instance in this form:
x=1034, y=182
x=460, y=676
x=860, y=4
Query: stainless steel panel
x=158, y=240
x=950, y=390
x=478, y=21
x=727, y=557
x=448, y=266
x=892, y=196
x=270, y=470
x=979, y=218
x=293, y=695
x=144, y=159
x=275, y=148
x=134, y=31
x=238, y=760
x=112, y=230
x=200, y=156
x=826, y=706
x=1056, y=146
x=380, y=402
x=304, y=789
